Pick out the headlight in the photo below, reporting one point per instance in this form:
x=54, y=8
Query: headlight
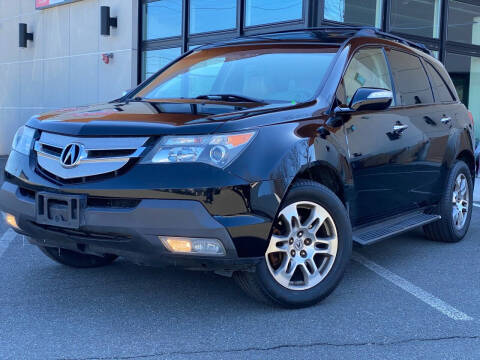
x=23, y=140
x=217, y=150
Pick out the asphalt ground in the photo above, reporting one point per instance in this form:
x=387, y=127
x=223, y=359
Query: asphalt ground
x=404, y=298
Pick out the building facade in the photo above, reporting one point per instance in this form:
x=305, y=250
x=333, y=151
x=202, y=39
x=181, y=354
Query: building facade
x=64, y=65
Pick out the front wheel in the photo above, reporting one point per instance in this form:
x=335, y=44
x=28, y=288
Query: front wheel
x=308, y=251
x=76, y=259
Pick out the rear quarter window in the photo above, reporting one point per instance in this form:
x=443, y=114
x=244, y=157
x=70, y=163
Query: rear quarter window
x=440, y=88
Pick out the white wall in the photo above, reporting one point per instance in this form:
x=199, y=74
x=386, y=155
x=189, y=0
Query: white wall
x=63, y=66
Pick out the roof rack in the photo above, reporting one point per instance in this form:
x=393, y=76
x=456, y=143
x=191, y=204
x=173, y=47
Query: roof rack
x=330, y=27
x=360, y=31
x=400, y=39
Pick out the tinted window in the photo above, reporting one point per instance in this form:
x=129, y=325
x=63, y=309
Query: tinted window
x=256, y=72
x=154, y=60
x=363, y=12
x=411, y=80
x=203, y=11
x=463, y=16
x=440, y=89
x=416, y=17
x=465, y=74
x=162, y=18
x=267, y=11
x=368, y=68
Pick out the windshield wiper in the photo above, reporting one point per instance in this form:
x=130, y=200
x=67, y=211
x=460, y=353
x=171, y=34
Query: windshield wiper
x=231, y=98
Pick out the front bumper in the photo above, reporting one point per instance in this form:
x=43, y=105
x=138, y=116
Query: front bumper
x=125, y=214
x=130, y=233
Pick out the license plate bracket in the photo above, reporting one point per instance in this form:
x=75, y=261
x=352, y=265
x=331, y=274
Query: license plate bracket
x=59, y=210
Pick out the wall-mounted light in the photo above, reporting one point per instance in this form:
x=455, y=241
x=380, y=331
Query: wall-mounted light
x=106, y=21
x=24, y=35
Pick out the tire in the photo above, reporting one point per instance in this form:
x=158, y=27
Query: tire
x=76, y=259
x=309, y=198
x=446, y=229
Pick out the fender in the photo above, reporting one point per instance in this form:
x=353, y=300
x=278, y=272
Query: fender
x=459, y=141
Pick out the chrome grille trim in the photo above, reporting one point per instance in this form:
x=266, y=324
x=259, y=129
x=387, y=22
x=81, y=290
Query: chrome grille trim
x=50, y=146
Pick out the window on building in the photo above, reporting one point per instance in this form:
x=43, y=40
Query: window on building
x=464, y=21
x=212, y=15
x=465, y=73
x=416, y=17
x=362, y=12
x=259, y=12
x=162, y=19
x=411, y=82
x=368, y=68
x=154, y=60
x=439, y=86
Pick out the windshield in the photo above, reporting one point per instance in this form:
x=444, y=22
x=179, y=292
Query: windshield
x=290, y=73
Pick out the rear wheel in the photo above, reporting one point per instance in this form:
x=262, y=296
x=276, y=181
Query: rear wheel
x=76, y=259
x=308, y=251
x=455, y=207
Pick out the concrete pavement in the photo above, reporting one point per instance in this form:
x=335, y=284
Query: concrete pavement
x=393, y=310
x=126, y=311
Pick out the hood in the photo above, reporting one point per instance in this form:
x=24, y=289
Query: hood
x=172, y=117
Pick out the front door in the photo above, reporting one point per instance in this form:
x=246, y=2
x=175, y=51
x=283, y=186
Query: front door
x=384, y=149
x=384, y=146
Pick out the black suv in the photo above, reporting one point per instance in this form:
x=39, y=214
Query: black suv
x=260, y=158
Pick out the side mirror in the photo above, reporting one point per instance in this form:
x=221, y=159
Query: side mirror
x=371, y=99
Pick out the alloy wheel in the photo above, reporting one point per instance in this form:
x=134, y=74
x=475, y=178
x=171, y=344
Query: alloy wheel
x=460, y=201
x=303, y=246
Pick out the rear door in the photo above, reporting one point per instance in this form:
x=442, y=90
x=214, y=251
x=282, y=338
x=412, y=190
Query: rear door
x=418, y=95
x=439, y=124
x=383, y=160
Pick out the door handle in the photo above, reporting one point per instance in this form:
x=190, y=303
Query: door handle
x=399, y=128
x=446, y=120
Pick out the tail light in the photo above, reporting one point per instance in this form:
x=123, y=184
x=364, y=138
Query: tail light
x=472, y=122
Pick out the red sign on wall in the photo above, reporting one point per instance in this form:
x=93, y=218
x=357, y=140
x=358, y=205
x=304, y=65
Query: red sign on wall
x=42, y=4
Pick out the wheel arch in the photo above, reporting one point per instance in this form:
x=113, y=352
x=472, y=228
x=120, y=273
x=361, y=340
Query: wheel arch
x=460, y=147
x=325, y=174
x=468, y=157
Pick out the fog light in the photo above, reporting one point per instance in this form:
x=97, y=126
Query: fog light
x=193, y=246
x=11, y=220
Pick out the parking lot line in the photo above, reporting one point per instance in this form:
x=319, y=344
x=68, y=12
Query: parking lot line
x=412, y=289
x=6, y=239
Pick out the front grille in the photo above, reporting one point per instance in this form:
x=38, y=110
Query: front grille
x=93, y=201
x=86, y=234
x=100, y=202
x=27, y=193
x=96, y=156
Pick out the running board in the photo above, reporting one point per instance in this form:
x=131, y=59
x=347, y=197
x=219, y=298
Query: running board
x=371, y=234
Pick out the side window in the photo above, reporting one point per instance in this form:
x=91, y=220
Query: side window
x=410, y=78
x=440, y=88
x=368, y=68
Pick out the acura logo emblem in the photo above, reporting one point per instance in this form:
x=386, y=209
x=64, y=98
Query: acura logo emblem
x=71, y=155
